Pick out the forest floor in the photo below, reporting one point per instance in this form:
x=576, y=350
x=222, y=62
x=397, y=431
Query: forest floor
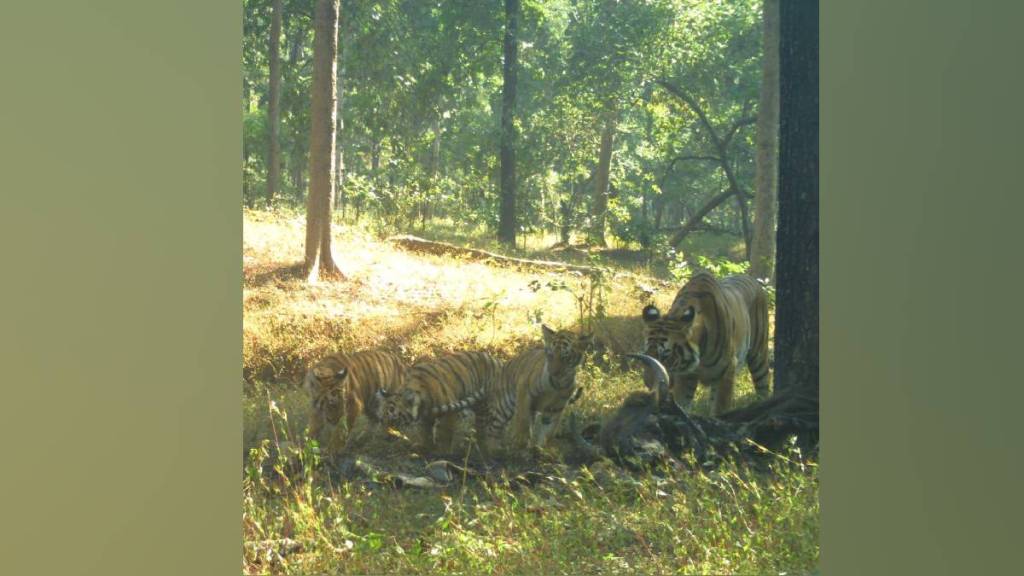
x=381, y=513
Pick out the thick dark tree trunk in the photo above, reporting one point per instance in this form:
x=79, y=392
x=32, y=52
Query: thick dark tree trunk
x=796, y=326
x=762, y=254
x=507, y=214
x=319, y=261
x=274, y=106
x=599, y=206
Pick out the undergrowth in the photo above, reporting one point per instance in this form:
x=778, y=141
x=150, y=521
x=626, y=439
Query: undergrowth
x=301, y=520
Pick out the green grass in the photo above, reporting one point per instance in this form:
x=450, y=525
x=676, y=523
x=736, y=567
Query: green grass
x=573, y=521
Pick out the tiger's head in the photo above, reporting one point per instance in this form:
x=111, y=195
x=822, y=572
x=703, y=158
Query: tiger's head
x=670, y=338
x=398, y=408
x=326, y=383
x=564, y=350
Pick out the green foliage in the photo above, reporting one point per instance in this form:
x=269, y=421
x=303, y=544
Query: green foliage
x=415, y=73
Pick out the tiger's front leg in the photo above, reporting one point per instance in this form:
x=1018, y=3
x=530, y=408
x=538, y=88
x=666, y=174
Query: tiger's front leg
x=426, y=442
x=548, y=424
x=683, y=388
x=446, y=430
x=519, y=436
x=721, y=392
x=353, y=408
x=488, y=433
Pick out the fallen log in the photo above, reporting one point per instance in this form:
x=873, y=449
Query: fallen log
x=417, y=244
x=434, y=247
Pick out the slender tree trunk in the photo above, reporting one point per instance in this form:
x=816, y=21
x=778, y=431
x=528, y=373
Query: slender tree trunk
x=507, y=213
x=599, y=206
x=741, y=204
x=375, y=149
x=796, y=328
x=297, y=160
x=565, y=210
x=762, y=257
x=319, y=261
x=435, y=167
x=339, y=161
x=274, y=106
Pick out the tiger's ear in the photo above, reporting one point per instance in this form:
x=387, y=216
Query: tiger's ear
x=651, y=313
x=549, y=334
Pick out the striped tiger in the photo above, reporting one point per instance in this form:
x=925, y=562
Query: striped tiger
x=540, y=380
x=346, y=384
x=712, y=326
x=436, y=391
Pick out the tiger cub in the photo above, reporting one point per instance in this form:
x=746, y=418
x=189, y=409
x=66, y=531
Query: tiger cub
x=540, y=380
x=346, y=384
x=436, y=391
x=713, y=327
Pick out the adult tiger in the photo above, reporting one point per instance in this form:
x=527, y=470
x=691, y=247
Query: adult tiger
x=712, y=326
x=541, y=380
x=347, y=384
x=435, y=391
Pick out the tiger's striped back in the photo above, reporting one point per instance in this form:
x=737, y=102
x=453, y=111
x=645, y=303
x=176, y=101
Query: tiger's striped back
x=434, y=388
x=347, y=384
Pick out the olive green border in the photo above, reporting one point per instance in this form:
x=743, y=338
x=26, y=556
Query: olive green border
x=120, y=139
x=920, y=205
x=121, y=331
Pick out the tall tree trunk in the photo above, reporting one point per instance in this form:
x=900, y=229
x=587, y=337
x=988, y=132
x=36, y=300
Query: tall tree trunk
x=796, y=327
x=565, y=211
x=274, y=106
x=339, y=160
x=762, y=254
x=435, y=166
x=319, y=261
x=741, y=203
x=375, y=165
x=297, y=161
x=507, y=213
x=599, y=206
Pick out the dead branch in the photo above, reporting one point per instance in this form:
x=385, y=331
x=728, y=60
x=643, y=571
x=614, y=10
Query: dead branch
x=417, y=244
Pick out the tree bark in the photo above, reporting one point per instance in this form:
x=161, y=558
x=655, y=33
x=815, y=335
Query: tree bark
x=741, y=203
x=435, y=167
x=507, y=214
x=297, y=161
x=339, y=161
x=762, y=256
x=274, y=106
x=796, y=326
x=319, y=261
x=599, y=205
